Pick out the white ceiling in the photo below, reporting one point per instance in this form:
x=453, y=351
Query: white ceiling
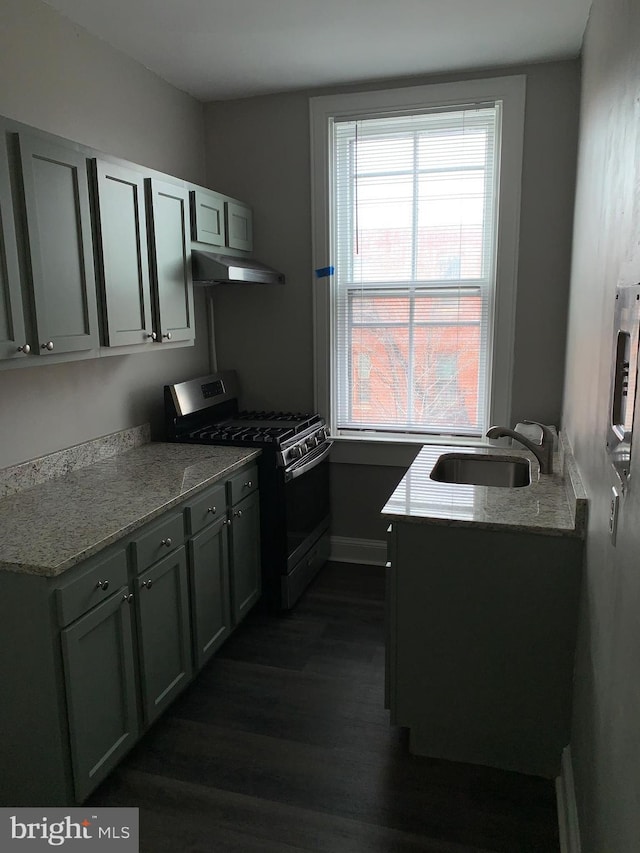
x=216, y=49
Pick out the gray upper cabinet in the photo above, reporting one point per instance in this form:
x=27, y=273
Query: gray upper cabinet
x=170, y=260
x=12, y=332
x=239, y=222
x=207, y=218
x=121, y=251
x=58, y=245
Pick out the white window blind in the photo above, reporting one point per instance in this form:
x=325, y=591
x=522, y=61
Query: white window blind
x=413, y=231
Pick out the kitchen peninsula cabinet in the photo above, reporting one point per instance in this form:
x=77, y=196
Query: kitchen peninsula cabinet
x=170, y=258
x=91, y=655
x=57, y=245
x=120, y=234
x=482, y=593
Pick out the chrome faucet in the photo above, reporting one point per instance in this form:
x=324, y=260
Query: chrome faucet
x=543, y=451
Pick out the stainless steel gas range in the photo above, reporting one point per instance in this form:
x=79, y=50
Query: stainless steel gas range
x=293, y=470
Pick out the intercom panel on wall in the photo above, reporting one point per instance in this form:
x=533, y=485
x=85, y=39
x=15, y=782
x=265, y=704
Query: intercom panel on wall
x=626, y=330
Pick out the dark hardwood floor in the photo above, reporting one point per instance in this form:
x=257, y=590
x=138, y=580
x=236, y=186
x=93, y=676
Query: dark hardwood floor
x=283, y=744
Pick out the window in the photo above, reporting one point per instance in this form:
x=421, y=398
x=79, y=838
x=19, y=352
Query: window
x=416, y=199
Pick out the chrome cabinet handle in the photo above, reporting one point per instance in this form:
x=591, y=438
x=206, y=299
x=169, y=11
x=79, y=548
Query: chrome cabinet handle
x=48, y=345
x=167, y=335
x=248, y=484
x=238, y=513
x=128, y=598
x=212, y=510
x=227, y=521
x=25, y=348
x=104, y=585
x=148, y=584
x=153, y=336
x=167, y=542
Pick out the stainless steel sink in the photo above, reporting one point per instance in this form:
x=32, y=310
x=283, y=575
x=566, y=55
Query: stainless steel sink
x=506, y=471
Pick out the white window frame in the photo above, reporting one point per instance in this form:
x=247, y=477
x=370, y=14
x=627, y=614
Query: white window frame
x=510, y=92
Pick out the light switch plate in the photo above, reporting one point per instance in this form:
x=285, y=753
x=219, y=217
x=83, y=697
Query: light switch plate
x=613, y=514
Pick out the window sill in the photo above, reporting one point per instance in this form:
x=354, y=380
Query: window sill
x=386, y=450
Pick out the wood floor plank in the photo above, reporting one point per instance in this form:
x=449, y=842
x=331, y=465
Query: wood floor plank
x=282, y=743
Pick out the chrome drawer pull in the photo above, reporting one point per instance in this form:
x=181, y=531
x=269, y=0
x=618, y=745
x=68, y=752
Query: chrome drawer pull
x=128, y=598
x=248, y=484
x=148, y=584
x=103, y=585
x=238, y=513
x=167, y=542
x=212, y=510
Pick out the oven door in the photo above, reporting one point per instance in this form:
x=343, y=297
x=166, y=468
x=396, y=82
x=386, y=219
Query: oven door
x=307, y=502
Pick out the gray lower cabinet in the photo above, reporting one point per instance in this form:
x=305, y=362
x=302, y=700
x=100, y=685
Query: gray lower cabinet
x=164, y=632
x=170, y=261
x=58, y=245
x=481, y=632
x=99, y=671
x=91, y=658
x=224, y=559
x=246, y=578
x=209, y=574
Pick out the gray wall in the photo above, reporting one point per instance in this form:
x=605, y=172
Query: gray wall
x=58, y=78
x=258, y=149
x=605, y=740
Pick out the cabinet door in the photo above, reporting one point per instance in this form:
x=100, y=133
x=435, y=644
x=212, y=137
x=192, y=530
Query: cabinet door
x=56, y=198
x=239, y=221
x=120, y=230
x=209, y=570
x=207, y=218
x=12, y=332
x=163, y=632
x=101, y=695
x=170, y=259
x=246, y=580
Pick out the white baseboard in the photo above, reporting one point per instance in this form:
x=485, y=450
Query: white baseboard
x=567, y=810
x=369, y=551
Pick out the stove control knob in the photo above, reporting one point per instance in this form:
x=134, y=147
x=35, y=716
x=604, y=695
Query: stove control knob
x=312, y=442
x=295, y=452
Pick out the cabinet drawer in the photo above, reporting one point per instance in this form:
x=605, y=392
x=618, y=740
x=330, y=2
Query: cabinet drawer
x=158, y=540
x=243, y=484
x=93, y=586
x=205, y=508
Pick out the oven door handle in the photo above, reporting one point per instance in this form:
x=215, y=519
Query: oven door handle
x=308, y=463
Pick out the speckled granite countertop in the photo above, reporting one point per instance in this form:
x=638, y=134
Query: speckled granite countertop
x=553, y=504
x=48, y=528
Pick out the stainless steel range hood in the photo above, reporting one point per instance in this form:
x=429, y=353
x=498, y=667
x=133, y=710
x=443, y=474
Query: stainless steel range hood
x=210, y=268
